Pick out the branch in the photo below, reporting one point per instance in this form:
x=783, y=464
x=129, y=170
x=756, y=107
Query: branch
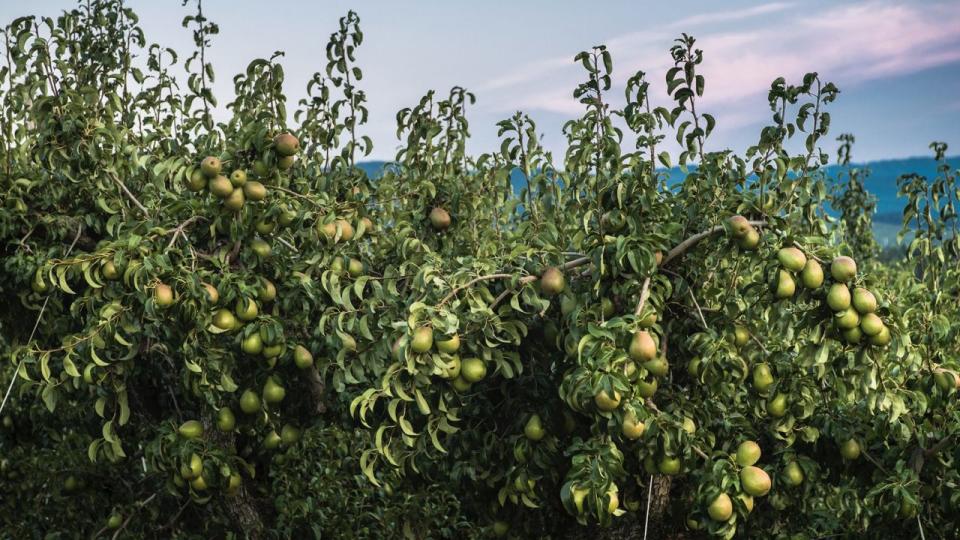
x=531, y=278
x=644, y=294
x=471, y=283
x=130, y=195
x=687, y=244
x=179, y=230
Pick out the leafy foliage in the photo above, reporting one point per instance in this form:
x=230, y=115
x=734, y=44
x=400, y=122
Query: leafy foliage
x=227, y=329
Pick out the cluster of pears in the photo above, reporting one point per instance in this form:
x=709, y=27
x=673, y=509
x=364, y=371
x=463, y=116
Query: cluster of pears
x=237, y=188
x=754, y=482
x=461, y=373
x=643, y=351
x=745, y=234
x=192, y=469
x=854, y=311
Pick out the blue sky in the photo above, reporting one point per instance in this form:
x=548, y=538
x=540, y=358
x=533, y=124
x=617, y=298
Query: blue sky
x=896, y=63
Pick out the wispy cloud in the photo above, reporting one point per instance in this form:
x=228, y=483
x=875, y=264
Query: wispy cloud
x=849, y=44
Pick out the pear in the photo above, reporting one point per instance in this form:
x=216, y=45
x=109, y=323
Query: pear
x=422, y=339
x=252, y=344
x=213, y=295
x=864, y=301
x=881, y=339
x=762, y=377
x=850, y=449
x=871, y=324
x=272, y=440
x=792, y=259
x=355, y=268
x=246, y=309
x=221, y=186
x=197, y=181
x=739, y=226
x=751, y=241
x=669, y=465
x=631, y=427
x=534, y=428
x=812, y=274
x=843, y=269
x=210, y=166
x=255, y=191
x=191, y=429
x=461, y=385
x=273, y=392
x=249, y=402
x=163, y=295
x=268, y=291
x=302, y=357
x=289, y=435
x=261, y=248
x=852, y=335
x=721, y=508
x=755, y=481
x=238, y=178
x=847, y=319
x=606, y=402
x=552, y=281
x=346, y=229
x=472, y=370
x=793, y=474
x=785, y=285
x=839, y=297
x=234, y=202
x=449, y=345
x=286, y=144
x=646, y=389
x=748, y=453
x=226, y=421
x=439, y=219
x=224, y=319
x=740, y=335
x=642, y=347
x=777, y=407
x=658, y=367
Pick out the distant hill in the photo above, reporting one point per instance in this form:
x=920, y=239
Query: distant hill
x=882, y=182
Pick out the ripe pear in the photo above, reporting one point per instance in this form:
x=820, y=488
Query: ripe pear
x=238, y=178
x=785, y=285
x=224, y=319
x=196, y=466
x=246, y=309
x=812, y=274
x=422, y=339
x=669, y=465
x=261, y=248
x=777, y=407
x=234, y=202
x=233, y=484
x=264, y=227
x=449, y=345
x=843, y=269
x=871, y=324
x=191, y=429
x=864, y=301
x=852, y=335
x=755, y=481
x=688, y=425
x=850, y=450
x=631, y=427
x=286, y=217
x=252, y=344
x=199, y=483
x=534, y=428
x=221, y=186
x=302, y=357
x=355, y=268
x=473, y=370
x=226, y=421
x=748, y=453
x=605, y=402
x=260, y=168
x=213, y=295
x=658, y=367
x=646, y=389
x=286, y=144
x=552, y=281
x=793, y=474
x=721, y=508
x=327, y=230
x=451, y=368
x=196, y=181
x=792, y=259
x=882, y=338
x=249, y=402
x=268, y=291
x=163, y=295
x=439, y=219
x=461, y=385
x=346, y=229
x=114, y=521
x=579, y=494
x=762, y=378
x=847, y=319
x=839, y=297
x=273, y=392
x=613, y=501
x=750, y=241
x=642, y=347
x=348, y=343
x=272, y=440
x=739, y=226
x=289, y=435
x=747, y=501
x=740, y=335
x=255, y=191
x=210, y=166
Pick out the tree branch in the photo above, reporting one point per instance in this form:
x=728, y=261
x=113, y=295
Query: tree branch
x=687, y=244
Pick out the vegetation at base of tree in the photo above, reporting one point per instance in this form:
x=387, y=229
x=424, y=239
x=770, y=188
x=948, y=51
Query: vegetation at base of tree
x=228, y=329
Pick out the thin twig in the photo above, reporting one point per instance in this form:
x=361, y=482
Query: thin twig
x=685, y=246
x=130, y=195
x=471, y=283
x=141, y=504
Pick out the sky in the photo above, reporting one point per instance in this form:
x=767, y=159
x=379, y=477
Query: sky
x=897, y=63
